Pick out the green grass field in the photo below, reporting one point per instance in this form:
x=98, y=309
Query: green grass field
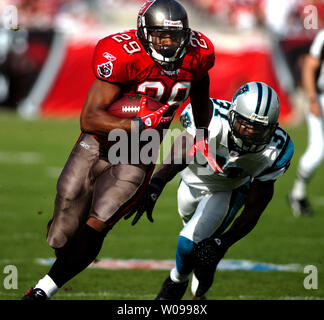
x=32, y=154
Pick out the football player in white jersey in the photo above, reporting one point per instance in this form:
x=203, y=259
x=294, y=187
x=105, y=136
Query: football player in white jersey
x=246, y=152
x=313, y=84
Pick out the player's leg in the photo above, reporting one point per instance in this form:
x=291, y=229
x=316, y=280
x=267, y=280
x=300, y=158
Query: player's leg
x=72, y=203
x=210, y=217
x=206, y=254
x=202, y=213
x=114, y=190
x=308, y=164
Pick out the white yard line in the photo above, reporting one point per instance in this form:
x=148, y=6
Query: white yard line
x=20, y=157
x=144, y=264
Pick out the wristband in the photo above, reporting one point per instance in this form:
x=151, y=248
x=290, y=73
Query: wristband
x=158, y=184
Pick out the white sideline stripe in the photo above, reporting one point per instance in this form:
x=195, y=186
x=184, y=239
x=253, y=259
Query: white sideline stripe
x=140, y=264
x=63, y=293
x=20, y=157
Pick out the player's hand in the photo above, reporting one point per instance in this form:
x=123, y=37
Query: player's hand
x=201, y=144
x=147, y=202
x=151, y=119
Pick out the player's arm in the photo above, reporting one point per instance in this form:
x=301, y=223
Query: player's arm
x=309, y=70
x=200, y=102
x=94, y=116
x=259, y=196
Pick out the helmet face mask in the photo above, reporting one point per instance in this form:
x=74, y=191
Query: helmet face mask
x=163, y=30
x=250, y=136
x=253, y=116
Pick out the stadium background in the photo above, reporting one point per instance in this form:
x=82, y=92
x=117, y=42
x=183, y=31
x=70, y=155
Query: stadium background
x=45, y=73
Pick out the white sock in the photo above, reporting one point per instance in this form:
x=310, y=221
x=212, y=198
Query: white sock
x=194, y=284
x=299, y=189
x=47, y=285
x=177, y=277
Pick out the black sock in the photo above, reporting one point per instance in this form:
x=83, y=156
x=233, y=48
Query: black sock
x=76, y=255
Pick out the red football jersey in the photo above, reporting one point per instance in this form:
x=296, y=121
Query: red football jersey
x=120, y=58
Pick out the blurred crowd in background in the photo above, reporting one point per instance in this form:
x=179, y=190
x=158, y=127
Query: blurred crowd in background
x=23, y=51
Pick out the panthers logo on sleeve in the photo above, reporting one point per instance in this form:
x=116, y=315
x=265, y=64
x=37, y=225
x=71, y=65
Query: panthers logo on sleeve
x=185, y=120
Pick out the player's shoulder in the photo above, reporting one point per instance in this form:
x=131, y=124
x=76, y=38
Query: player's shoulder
x=221, y=108
x=120, y=57
x=200, y=41
x=121, y=44
x=200, y=55
x=219, y=114
x=280, y=149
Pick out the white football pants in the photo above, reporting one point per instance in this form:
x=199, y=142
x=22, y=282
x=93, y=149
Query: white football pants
x=202, y=213
x=314, y=153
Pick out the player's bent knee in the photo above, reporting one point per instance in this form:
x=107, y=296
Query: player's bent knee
x=56, y=239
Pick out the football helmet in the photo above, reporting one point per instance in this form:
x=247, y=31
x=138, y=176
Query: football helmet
x=253, y=116
x=163, y=29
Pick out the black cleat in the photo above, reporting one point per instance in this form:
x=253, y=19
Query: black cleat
x=300, y=207
x=172, y=290
x=35, y=294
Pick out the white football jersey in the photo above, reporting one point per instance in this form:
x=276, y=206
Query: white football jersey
x=268, y=164
x=316, y=50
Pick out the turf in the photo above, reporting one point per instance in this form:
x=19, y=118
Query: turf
x=32, y=154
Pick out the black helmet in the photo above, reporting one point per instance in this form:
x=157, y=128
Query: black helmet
x=160, y=19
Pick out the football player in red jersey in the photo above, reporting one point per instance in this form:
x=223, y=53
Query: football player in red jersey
x=163, y=59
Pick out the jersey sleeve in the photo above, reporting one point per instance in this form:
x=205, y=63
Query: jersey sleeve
x=206, y=54
x=317, y=45
x=111, y=63
x=187, y=120
x=281, y=163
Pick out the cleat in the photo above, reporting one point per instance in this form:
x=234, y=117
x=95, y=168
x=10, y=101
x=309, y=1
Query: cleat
x=300, y=207
x=194, y=289
x=172, y=290
x=35, y=294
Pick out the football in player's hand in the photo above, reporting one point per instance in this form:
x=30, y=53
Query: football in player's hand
x=128, y=106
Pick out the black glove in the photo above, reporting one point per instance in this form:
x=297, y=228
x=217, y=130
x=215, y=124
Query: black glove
x=147, y=202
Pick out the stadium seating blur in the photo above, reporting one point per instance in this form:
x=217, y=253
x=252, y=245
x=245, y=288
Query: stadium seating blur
x=54, y=43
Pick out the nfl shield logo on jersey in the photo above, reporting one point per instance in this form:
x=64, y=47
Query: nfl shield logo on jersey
x=105, y=69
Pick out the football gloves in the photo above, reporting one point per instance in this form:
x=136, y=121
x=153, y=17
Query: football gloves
x=148, y=119
x=201, y=144
x=147, y=202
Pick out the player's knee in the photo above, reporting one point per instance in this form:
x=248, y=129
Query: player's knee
x=56, y=238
